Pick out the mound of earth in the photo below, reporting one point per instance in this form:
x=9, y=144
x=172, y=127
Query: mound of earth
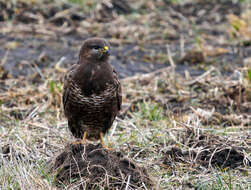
x=227, y=157
x=207, y=150
x=93, y=167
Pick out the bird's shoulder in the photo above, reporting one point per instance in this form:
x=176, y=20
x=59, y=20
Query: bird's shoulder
x=69, y=86
x=70, y=72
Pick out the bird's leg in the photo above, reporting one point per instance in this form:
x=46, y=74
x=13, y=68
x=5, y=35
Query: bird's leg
x=84, y=138
x=82, y=141
x=102, y=141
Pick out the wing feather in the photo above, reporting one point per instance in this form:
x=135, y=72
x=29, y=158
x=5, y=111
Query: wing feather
x=67, y=83
x=119, y=90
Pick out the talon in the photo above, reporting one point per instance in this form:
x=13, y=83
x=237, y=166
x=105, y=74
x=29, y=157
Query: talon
x=77, y=142
x=82, y=141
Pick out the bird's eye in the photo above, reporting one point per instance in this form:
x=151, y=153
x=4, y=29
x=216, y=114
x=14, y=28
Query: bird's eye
x=95, y=47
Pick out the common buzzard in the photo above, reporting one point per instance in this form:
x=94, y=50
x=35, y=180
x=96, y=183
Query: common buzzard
x=92, y=92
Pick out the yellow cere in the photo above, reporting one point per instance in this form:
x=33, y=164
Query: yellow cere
x=106, y=48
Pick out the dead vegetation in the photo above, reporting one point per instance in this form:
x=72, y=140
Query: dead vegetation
x=207, y=150
x=186, y=120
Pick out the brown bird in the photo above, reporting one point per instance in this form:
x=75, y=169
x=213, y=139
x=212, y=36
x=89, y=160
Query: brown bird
x=92, y=92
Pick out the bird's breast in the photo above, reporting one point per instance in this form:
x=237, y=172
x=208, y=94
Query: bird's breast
x=94, y=79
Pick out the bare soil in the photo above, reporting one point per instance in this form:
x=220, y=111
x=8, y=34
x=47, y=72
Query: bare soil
x=93, y=167
x=45, y=33
x=185, y=75
x=215, y=152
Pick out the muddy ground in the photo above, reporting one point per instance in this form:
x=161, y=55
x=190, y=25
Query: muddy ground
x=185, y=73
x=42, y=35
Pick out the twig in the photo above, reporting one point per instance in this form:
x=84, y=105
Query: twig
x=170, y=56
x=4, y=59
x=128, y=182
x=201, y=76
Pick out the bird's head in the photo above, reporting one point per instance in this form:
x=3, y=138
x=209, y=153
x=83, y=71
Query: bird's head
x=94, y=49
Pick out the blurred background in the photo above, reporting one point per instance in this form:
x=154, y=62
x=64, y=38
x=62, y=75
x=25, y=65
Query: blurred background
x=185, y=71
x=196, y=33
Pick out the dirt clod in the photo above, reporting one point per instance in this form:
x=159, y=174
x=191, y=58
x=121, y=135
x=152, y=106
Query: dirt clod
x=92, y=166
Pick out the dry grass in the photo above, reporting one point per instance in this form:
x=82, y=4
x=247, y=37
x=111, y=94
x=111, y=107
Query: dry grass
x=178, y=127
x=33, y=126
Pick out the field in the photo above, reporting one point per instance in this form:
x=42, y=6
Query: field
x=185, y=70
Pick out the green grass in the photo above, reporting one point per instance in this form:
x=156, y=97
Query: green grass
x=249, y=74
x=224, y=181
x=151, y=111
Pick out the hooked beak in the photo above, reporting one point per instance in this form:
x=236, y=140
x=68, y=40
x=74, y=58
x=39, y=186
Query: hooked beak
x=106, y=50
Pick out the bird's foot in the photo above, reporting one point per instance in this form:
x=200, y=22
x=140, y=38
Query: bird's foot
x=82, y=141
x=103, y=144
x=77, y=142
x=106, y=147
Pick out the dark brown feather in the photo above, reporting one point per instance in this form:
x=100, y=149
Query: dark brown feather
x=92, y=92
